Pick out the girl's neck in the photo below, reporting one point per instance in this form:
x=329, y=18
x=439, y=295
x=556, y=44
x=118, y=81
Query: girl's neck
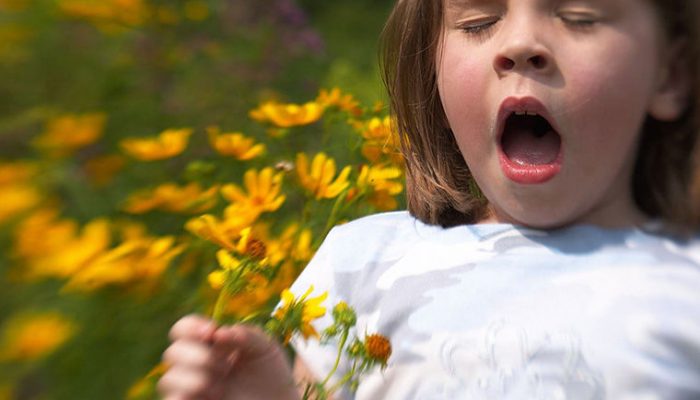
x=628, y=217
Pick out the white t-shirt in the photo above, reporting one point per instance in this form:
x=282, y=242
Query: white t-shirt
x=496, y=311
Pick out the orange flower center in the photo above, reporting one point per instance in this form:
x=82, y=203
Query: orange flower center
x=256, y=248
x=378, y=347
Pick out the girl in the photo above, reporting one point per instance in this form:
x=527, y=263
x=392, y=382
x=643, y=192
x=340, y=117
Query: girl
x=552, y=167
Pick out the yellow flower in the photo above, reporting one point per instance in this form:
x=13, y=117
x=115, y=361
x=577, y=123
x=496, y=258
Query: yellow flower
x=227, y=263
x=297, y=314
x=168, y=144
x=335, y=97
x=137, y=259
x=69, y=249
x=238, y=216
x=319, y=180
x=234, y=144
x=263, y=191
x=16, y=199
x=208, y=227
x=67, y=133
x=251, y=246
x=288, y=115
x=29, y=337
x=381, y=139
x=170, y=197
x=378, y=182
x=17, y=194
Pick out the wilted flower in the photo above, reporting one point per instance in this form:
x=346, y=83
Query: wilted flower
x=168, y=144
x=377, y=348
x=319, y=179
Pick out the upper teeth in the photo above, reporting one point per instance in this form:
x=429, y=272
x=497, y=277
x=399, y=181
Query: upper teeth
x=525, y=113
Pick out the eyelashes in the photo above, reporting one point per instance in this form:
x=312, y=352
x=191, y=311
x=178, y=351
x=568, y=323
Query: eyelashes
x=575, y=21
x=479, y=29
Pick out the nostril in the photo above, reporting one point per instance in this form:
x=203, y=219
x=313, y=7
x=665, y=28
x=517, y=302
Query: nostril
x=538, y=62
x=505, y=63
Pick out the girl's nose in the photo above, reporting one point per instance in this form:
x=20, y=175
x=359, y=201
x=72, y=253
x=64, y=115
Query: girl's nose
x=522, y=51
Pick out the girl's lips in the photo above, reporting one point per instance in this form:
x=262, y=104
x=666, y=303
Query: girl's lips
x=522, y=172
x=529, y=173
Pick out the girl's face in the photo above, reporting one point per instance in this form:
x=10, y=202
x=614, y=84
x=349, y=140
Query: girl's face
x=546, y=99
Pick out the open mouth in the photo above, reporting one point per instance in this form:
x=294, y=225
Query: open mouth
x=530, y=147
x=529, y=139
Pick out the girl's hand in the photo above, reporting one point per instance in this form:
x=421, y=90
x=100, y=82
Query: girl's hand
x=230, y=362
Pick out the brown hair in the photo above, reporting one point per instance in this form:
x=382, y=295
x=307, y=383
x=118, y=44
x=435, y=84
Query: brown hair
x=440, y=189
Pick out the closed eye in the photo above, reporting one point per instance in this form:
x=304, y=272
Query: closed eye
x=479, y=27
x=579, y=20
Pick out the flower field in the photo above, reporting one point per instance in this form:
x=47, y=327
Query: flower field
x=161, y=158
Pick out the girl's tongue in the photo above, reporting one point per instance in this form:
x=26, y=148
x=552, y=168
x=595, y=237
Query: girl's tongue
x=530, y=140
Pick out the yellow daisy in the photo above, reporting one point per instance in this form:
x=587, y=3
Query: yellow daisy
x=234, y=144
x=288, y=115
x=297, y=314
x=168, y=144
x=318, y=180
x=263, y=191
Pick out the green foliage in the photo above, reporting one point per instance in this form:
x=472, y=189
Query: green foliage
x=149, y=66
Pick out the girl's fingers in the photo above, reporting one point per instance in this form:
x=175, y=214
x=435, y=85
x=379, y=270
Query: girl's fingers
x=193, y=327
x=184, y=383
x=250, y=341
x=196, y=355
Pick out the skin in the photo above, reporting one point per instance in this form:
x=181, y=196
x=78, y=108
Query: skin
x=599, y=68
x=230, y=362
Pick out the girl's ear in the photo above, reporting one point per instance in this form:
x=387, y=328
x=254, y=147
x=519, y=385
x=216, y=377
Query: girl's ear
x=673, y=87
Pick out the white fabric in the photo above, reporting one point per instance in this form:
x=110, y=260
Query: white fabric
x=501, y=312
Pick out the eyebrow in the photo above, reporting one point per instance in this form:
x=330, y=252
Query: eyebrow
x=464, y=3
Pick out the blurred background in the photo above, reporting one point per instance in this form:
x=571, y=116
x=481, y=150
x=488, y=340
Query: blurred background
x=77, y=78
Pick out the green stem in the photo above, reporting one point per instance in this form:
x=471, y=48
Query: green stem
x=231, y=287
x=349, y=375
x=341, y=346
x=330, y=222
x=219, y=306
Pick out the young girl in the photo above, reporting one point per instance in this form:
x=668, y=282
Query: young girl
x=549, y=250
